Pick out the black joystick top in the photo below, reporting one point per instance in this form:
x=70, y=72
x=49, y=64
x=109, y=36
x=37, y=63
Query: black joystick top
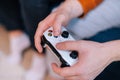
x=65, y=34
x=74, y=54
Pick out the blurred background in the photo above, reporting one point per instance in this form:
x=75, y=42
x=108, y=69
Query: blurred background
x=9, y=71
x=20, y=19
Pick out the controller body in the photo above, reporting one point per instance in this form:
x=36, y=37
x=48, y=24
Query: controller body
x=67, y=58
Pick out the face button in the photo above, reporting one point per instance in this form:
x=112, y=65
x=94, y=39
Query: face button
x=65, y=34
x=56, y=36
x=74, y=54
x=49, y=34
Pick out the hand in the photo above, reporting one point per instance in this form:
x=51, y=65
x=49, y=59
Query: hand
x=63, y=14
x=93, y=58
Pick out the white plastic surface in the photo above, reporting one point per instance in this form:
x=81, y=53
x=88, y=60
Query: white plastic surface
x=65, y=54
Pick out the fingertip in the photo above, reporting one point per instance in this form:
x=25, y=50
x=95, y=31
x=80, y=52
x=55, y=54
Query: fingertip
x=40, y=51
x=56, y=32
x=54, y=67
x=59, y=45
x=62, y=45
x=39, y=48
x=38, y=44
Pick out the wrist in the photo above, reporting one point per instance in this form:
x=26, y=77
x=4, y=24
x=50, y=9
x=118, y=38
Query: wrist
x=113, y=50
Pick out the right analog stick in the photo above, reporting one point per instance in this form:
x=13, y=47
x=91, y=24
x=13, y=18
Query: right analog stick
x=74, y=54
x=65, y=34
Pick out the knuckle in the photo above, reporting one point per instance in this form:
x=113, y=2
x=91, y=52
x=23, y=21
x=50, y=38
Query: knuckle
x=39, y=24
x=62, y=74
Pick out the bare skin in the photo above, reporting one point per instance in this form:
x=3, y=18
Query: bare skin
x=94, y=57
x=65, y=12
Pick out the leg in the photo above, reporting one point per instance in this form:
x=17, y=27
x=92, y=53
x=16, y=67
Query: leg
x=34, y=11
x=17, y=38
x=10, y=17
x=37, y=69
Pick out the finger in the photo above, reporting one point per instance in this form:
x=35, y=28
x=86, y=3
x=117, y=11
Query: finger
x=57, y=24
x=37, y=38
x=39, y=32
x=68, y=45
x=64, y=72
x=42, y=26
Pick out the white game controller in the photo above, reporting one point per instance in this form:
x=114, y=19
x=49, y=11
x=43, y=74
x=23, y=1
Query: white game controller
x=67, y=58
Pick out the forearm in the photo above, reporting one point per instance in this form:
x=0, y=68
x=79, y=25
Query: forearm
x=72, y=7
x=113, y=49
x=106, y=16
x=76, y=8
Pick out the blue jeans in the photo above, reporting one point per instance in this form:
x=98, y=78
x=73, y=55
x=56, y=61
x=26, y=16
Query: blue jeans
x=25, y=14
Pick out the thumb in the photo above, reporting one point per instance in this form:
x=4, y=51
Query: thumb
x=68, y=45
